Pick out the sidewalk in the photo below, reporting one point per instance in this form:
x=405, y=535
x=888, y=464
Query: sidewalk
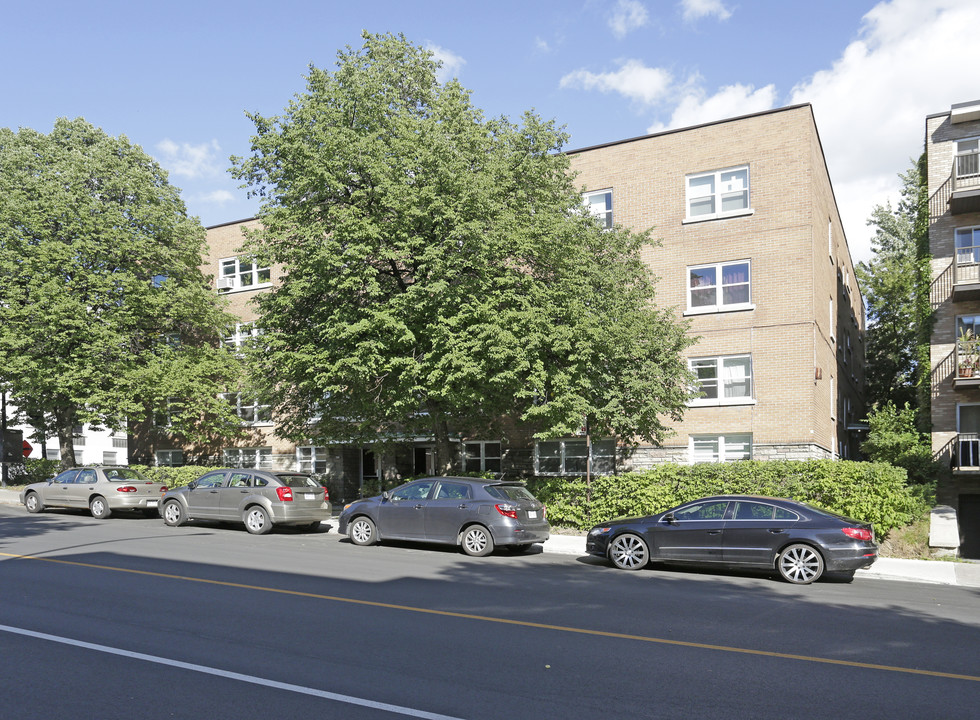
x=925, y=571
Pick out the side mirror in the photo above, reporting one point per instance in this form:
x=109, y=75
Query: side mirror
x=384, y=496
x=191, y=485
x=669, y=518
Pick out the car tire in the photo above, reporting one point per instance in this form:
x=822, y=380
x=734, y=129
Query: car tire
x=477, y=541
x=257, y=520
x=800, y=564
x=33, y=503
x=99, y=508
x=362, y=531
x=173, y=514
x=629, y=552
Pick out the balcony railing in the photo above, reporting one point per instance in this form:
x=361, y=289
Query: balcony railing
x=967, y=452
x=967, y=268
x=966, y=171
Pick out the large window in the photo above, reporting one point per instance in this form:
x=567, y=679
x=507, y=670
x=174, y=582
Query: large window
x=719, y=287
x=311, y=459
x=570, y=457
x=718, y=193
x=968, y=254
x=967, y=157
x=241, y=334
x=170, y=457
x=241, y=273
x=600, y=204
x=721, y=448
x=248, y=457
x=481, y=456
x=250, y=410
x=725, y=380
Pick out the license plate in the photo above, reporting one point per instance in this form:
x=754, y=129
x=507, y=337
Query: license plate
x=309, y=496
x=532, y=514
x=151, y=503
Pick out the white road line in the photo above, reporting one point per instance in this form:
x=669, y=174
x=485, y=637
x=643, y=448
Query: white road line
x=350, y=700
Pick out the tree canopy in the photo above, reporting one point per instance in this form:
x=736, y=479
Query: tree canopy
x=895, y=284
x=441, y=271
x=104, y=312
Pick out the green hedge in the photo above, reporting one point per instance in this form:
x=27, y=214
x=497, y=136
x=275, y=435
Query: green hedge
x=873, y=492
x=174, y=476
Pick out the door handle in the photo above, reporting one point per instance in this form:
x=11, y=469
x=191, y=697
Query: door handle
x=776, y=532
x=462, y=507
x=419, y=506
x=714, y=532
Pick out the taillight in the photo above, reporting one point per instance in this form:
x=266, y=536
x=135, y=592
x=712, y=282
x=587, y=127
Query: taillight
x=285, y=493
x=507, y=510
x=126, y=488
x=163, y=489
x=326, y=495
x=857, y=533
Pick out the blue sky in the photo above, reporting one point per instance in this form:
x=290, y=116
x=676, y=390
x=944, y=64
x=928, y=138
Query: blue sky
x=177, y=77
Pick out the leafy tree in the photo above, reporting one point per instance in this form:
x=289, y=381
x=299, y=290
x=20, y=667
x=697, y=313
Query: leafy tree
x=895, y=285
x=441, y=270
x=894, y=438
x=104, y=313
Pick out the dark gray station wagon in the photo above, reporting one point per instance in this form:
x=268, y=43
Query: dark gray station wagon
x=474, y=514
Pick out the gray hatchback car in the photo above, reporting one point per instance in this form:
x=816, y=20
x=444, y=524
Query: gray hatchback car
x=258, y=498
x=474, y=514
x=100, y=489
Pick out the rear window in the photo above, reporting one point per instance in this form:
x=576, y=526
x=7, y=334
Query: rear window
x=121, y=474
x=509, y=492
x=297, y=481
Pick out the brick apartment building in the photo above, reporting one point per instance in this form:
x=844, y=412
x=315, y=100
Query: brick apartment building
x=753, y=255
x=952, y=142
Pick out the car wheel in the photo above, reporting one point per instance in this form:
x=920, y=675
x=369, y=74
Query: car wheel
x=477, y=541
x=800, y=564
x=33, y=502
x=173, y=514
x=257, y=520
x=361, y=531
x=99, y=508
x=629, y=552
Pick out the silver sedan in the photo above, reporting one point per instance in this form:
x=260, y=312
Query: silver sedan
x=100, y=489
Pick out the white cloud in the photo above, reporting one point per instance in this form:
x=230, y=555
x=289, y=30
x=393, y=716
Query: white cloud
x=451, y=62
x=870, y=105
x=633, y=80
x=541, y=45
x=628, y=15
x=696, y=9
x=695, y=107
x=217, y=197
x=190, y=161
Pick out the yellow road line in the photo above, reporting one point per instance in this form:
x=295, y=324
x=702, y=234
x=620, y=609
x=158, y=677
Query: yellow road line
x=506, y=621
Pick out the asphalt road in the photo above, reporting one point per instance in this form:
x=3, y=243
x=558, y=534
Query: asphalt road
x=126, y=618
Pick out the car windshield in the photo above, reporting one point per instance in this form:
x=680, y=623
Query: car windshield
x=121, y=474
x=509, y=492
x=297, y=481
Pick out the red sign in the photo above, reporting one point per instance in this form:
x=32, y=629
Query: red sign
x=27, y=448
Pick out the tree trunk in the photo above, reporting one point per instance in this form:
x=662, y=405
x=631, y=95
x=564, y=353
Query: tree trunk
x=443, y=460
x=65, y=423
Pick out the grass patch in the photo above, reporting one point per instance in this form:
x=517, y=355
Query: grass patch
x=909, y=542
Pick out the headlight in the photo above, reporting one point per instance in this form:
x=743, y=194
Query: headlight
x=599, y=530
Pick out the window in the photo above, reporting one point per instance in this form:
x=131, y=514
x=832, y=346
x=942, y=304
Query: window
x=453, y=491
x=248, y=409
x=569, y=457
x=968, y=254
x=120, y=442
x=164, y=418
x=171, y=458
x=242, y=274
x=481, y=456
x=600, y=205
x=311, y=459
x=967, y=156
x=412, y=491
x=241, y=334
x=109, y=457
x=714, y=510
x=725, y=380
x=720, y=448
x=719, y=287
x=248, y=457
x=718, y=194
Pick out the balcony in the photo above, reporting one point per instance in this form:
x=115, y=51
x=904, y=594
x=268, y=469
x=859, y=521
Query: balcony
x=966, y=457
x=965, y=185
x=967, y=361
x=966, y=274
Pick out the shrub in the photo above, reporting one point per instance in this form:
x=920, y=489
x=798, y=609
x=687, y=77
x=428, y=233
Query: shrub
x=32, y=471
x=872, y=492
x=173, y=476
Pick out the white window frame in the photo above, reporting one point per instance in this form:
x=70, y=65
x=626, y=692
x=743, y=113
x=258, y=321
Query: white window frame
x=721, y=362
x=233, y=277
x=605, y=216
x=481, y=460
x=245, y=409
x=719, y=191
x=309, y=457
x=569, y=452
x=719, y=287
x=967, y=256
x=728, y=447
x=169, y=458
x=260, y=457
x=243, y=333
